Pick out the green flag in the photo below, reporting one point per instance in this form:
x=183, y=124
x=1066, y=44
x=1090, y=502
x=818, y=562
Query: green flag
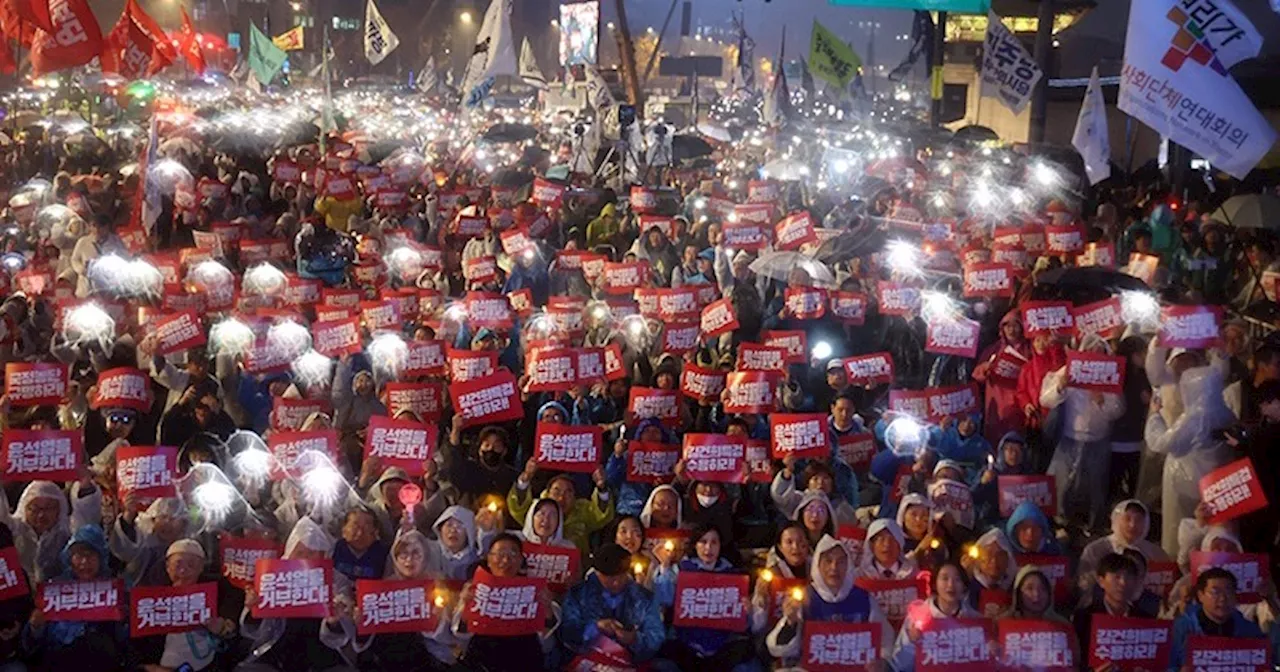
x=265, y=58
x=831, y=59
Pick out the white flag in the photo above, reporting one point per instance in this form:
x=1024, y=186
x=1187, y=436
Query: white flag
x=1090, y=137
x=598, y=94
x=378, y=38
x=494, y=54
x=1175, y=80
x=427, y=79
x=1008, y=70
x=529, y=71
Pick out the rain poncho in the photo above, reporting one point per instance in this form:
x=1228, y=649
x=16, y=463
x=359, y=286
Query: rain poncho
x=1082, y=460
x=646, y=514
x=39, y=553
x=83, y=639
x=909, y=500
x=995, y=537
x=138, y=546
x=904, y=650
x=588, y=602
x=788, y=499
x=1018, y=610
x=1189, y=446
x=557, y=538
x=586, y=516
x=1116, y=543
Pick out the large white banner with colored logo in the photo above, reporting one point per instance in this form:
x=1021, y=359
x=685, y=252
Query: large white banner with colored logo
x=1175, y=79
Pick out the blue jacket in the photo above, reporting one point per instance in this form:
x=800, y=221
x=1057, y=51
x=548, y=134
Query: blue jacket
x=632, y=496
x=371, y=564
x=1028, y=511
x=971, y=451
x=635, y=608
x=255, y=399
x=884, y=469
x=64, y=633
x=1188, y=624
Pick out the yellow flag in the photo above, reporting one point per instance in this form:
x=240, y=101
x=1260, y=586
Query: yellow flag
x=290, y=40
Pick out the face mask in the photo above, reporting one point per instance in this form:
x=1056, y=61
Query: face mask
x=707, y=500
x=491, y=458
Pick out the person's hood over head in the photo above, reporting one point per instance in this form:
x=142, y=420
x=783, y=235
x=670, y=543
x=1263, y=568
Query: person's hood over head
x=1117, y=512
x=553, y=405
x=49, y=490
x=533, y=537
x=463, y=515
x=908, y=500
x=827, y=543
x=646, y=513
x=95, y=538
x=1024, y=512
x=309, y=535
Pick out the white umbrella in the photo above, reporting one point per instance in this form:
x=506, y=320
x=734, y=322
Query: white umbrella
x=779, y=265
x=785, y=169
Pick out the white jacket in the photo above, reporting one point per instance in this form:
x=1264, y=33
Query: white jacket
x=1083, y=418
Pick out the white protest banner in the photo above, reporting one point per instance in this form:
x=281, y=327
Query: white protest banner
x=1008, y=70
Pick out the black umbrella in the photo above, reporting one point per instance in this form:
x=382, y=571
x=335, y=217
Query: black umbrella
x=684, y=147
x=975, y=133
x=384, y=148
x=511, y=177
x=299, y=133
x=499, y=133
x=1089, y=281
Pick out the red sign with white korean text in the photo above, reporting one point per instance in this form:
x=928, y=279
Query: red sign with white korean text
x=849, y=307
x=293, y=588
x=711, y=600
x=794, y=231
x=714, y=457
x=491, y=399
x=1046, y=316
x=42, y=454
x=480, y=269
x=521, y=301
x=291, y=413
x=1095, y=372
x=893, y=595
x=856, y=451
x=1252, y=571
x=624, y=278
x=13, y=580
x=400, y=443
x=874, y=368
x=952, y=497
x=954, y=645
x=1063, y=239
x=1054, y=568
x=988, y=280
x=1039, y=645
x=752, y=213
x=337, y=297
x=503, y=607
x=488, y=309
x=551, y=369
x=1039, y=489
x=301, y=291
x=1130, y=644
x=1228, y=654
x=381, y=314
x=679, y=304
x=750, y=392
x=615, y=367
x=941, y=402
x=804, y=303
x=667, y=225
x=679, y=338
x=744, y=236
x=757, y=357
x=1103, y=318
x=642, y=200
x=589, y=365
x=799, y=435
x=1005, y=368
x=718, y=318
x=651, y=402
x=557, y=565
x=176, y=333
x=567, y=447
x=1231, y=491
x=547, y=194
x=123, y=387
x=953, y=337
x=759, y=466
x=914, y=403
x=699, y=383
x=425, y=400
x=146, y=471
x=763, y=191
x=516, y=240
x=35, y=383
x=795, y=342
x=98, y=600
x=651, y=462
x=898, y=299
x=426, y=358
x=468, y=365
x=286, y=446
x=396, y=606
x=240, y=556
x=836, y=647
x=1142, y=266
x=1161, y=575
x=337, y=338
x=1192, y=327
x=160, y=610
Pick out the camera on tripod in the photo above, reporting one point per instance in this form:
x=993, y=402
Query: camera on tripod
x=626, y=116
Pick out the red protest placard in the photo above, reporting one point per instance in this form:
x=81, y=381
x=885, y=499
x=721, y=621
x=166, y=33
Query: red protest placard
x=400, y=443
x=849, y=307
x=491, y=399
x=568, y=447
x=993, y=601
x=469, y=365
x=503, y=607
x=763, y=191
x=871, y=369
x=159, y=610
x=301, y=291
x=516, y=240
x=13, y=580
x=750, y=392
x=488, y=309
x=941, y=402
x=667, y=225
x=42, y=454
x=718, y=318
x=699, y=383
x=1228, y=654
x=856, y=451
x=714, y=457
x=711, y=600
x=1103, y=318
x=804, y=303
x=1194, y=327
x=757, y=357
x=1161, y=576
x=676, y=305
x=1040, y=645
x=836, y=647
x=681, y=337
x=1005, y=368
x=589, y=365
x=1054, y=568
x=799, y=435
x=426, y=358
x=123, y=387
x=643, y=200
x=898, y=299
x=744, y=236
x=623, y=278
x=953, y=337
x=480, y=269
x=286, y=446
x=1252, y=571
x=551, y=370
x=240, y=555
x=381, y=314
x=293, y=588
x=176, y=333
x=1039, y=489
x=754, y=213
x=547, y=194
x=954, y=645
x=1231, y=491
x=794, y=231
x=1130, y=644
x=337, y=338
x=566, y=314
x=1142, y=266
x=396, y=606
x=291, y=413
x=914, y=403
x=988, y=280
x=651, y=402
x=35, y=383
x=952, y=497
x=759, y=466
x=795, y=342
x=338, y=297
x=556, y=565
x=893, y=596
x=146, y=471
x=615, y=367
x=99, y=600
x=424, y=400
x=1063, y=239
x=521, y=301
x=651, y=462
x=1095, y=372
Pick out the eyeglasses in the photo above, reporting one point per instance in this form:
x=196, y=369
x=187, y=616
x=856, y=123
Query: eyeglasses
x=120, y=418
x=505, y=555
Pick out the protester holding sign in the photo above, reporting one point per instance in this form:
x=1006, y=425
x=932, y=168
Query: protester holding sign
x=608, y=603
x=1213, y=613
x=1130, y=523
x=949, y=588
x=505, y=600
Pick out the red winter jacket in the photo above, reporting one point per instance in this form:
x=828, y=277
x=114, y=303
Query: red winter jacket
x=1034, y=371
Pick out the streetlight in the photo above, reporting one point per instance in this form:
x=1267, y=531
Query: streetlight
x=609, y=25
x=465, y=17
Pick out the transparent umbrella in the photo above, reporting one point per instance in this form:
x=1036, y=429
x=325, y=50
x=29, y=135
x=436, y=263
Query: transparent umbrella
x=779, y=265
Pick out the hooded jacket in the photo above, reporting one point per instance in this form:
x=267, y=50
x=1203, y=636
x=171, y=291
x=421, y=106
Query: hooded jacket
x=997, y=537
x=404, y=650
x=443, y=564
x=586, y=516
x=1189, y=625
x=1027, y=511
x=39, y=553
x=909, y=500
x=869, y=568
x=969, y=450
x=1083, y=420
x=557, y=538
x=1018, y=610
x=904, y=650
x=1032, y=375
x=60, y=634
x=789, y=499
x=986, y=496
x=1098, y=549
x=632, y=496
x=646, y=514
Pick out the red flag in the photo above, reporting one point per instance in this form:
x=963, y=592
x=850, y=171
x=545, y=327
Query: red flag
x=189, y=44
x=7, y=64
x=35, y=12
x=75, y=40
